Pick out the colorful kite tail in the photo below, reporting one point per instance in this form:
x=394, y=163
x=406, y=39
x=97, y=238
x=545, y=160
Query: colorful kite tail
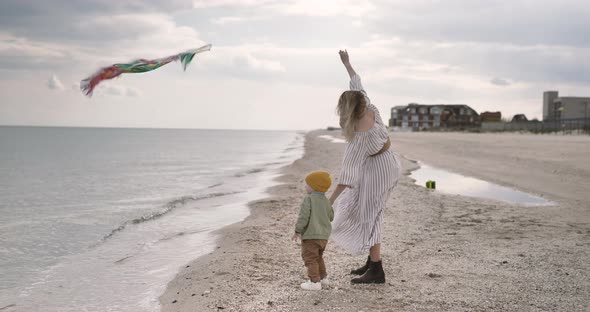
x=87, y=85
x=139, y=66
x=187, y=57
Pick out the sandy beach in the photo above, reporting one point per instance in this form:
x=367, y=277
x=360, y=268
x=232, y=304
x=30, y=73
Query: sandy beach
x=440, y=252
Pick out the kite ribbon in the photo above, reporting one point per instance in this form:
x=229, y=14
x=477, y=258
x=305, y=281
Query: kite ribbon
x=139, y=66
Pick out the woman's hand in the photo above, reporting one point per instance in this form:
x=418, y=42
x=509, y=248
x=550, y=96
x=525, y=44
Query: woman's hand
x=346, y=61
x=344, y=57
x=296, y=237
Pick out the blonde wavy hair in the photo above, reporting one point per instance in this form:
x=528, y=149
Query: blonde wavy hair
x=351, y=107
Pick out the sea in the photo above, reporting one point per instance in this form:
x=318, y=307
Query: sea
x=101, y=219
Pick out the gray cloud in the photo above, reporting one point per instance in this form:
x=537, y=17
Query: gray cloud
x=500, y=82
x=533, y=64
x=87, y=35
x=132, y=92
x=354, y=8
x=456, y=37
x=538, y=63
x=74, y=21
x=517, y=22
x=11, y=10
x=520, y=40
x=54, y=83
x=117, y=90
x=240, y=65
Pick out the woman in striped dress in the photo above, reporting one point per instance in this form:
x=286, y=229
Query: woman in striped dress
x=369, y=172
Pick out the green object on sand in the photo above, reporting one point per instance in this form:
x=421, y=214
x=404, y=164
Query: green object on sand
x=431, y=184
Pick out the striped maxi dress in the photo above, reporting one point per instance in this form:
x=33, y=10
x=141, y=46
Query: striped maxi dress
x=359, y=208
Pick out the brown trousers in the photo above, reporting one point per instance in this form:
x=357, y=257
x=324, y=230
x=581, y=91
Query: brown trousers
x=312, y=251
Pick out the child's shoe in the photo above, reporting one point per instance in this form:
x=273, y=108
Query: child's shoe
x=309, y=285
x=325, y=282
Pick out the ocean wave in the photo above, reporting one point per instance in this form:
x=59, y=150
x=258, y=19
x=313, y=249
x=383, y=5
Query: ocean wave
x=275, y=163
x=215, y=185
x=168, y=207
x=251, y=171
x=175, y=235
x=297, y=143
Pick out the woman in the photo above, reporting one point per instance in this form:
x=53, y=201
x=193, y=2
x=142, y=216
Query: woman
x=369, y=172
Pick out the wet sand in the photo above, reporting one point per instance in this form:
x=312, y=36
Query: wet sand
x=440, y=252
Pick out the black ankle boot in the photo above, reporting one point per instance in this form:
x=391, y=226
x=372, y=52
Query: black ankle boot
x=363, y=269
x=374, y=275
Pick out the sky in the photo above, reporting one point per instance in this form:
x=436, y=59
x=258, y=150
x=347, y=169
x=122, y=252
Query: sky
x=275, y=64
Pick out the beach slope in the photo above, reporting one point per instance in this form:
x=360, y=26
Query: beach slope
x=440, y=252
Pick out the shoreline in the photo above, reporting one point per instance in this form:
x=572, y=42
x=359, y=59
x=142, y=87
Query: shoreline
x=441, y=252
x=228, y=237
x=148, y=214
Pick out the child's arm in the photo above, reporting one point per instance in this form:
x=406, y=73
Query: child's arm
x=336, y=193
x=304, y=214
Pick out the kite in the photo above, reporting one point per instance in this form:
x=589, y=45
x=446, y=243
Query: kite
x=139, y=66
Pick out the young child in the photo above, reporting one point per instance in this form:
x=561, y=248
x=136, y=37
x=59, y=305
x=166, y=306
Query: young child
x=313, y=228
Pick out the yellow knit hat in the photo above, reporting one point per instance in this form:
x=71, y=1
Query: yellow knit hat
x=319, y=180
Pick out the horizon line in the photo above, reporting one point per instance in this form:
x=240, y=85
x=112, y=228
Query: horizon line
x=151, y=128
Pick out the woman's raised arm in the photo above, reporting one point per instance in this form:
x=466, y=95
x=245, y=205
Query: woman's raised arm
x=346, y=61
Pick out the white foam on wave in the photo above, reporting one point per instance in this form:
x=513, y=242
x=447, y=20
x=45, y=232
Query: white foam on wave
x=131, y=270
x=332, y=139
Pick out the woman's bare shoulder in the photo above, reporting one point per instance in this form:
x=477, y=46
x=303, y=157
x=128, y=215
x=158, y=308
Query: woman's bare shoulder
x=367, y=121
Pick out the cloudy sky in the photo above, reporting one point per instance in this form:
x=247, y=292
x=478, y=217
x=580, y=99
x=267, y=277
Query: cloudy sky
x=275, y=65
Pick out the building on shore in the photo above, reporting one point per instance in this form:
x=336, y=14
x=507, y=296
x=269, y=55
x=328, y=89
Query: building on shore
x=557, y=108
x=424, y=116
x=491, y=117
x=519, y=118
